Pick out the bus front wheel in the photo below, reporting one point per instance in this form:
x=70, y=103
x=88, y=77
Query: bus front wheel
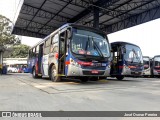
x=53, y=74
x=34, y=75
x=119, y=77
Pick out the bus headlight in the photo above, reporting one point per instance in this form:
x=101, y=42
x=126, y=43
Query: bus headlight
x=125, y=66
x=109, y=66
x=72, y=62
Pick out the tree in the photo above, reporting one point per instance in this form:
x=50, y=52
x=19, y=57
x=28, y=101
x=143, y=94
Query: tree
x=6, y=38
x=19, y=51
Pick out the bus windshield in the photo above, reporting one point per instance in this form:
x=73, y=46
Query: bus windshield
x=146, y=62
x=133, y=54
x=157, y=62
x=89, y=43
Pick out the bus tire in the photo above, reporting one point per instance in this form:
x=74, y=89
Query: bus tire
x=53, y=75
x=119, y=77
x=34, y=75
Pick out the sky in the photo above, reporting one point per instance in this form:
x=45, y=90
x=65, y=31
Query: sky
x=146, y=35
x=8, y=8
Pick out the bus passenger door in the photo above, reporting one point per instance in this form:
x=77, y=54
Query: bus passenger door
x=115, y=61
x=40, y=55
x=45, y=60
x=62, y=53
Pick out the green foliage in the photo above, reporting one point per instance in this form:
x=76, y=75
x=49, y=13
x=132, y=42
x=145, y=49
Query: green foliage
x=19, y=51
x=6, y=38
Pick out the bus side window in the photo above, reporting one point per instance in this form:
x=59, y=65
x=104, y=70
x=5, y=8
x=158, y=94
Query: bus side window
x=34, y=52
x=54, y=39
x=37, y=51
x=47, y=46
x=30, y=53
x=55, y=49
x=115, y=57
x=54, y=43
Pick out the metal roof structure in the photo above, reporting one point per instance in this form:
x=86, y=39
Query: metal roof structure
x=38, y=18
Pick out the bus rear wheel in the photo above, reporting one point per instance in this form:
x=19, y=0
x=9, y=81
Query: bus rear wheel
x=34, y=75
x=119, y=77
x=53, y=74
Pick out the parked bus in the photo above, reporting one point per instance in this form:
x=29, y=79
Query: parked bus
x=156, y=66
x=71, y=51
x=126, y=60
x=147, y=62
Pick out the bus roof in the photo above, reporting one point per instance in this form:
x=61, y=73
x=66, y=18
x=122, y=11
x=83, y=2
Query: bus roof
x=67, y=25
x=156, y=56
x=146, y=57
x=122, y=43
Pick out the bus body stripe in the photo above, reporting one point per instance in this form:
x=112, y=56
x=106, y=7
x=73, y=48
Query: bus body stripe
x=120, y=67
x=67, y=62
x=36, y=67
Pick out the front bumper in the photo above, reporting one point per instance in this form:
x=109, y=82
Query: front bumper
x=78, y=71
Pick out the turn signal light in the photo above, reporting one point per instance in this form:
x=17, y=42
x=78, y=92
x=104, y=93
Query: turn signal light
x=56, y=55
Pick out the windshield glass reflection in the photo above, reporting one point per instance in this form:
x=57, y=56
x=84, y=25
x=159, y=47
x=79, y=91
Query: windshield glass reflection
x=89, y=43
x=133, y=54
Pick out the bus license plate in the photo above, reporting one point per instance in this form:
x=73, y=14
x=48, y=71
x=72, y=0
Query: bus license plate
x=94, y=71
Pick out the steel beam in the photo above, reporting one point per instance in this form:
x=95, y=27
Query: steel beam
x=100, y=3
x=79, y=3
x=62, y=5
x=31, y=10
x=96, y=18
x=36, y=13
x=56, y=14
x=35, y=25
x=124, y=15
x=24, y=32
x=139, y=19
x=109, y=12
x=122, y=12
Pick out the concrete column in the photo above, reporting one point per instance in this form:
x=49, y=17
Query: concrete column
x=1, y=62
x=1, y=57
x=96, y=18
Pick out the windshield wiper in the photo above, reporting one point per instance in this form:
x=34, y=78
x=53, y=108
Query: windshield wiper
x=98, y=50
x=90, y=56
x=136, y=56
x=87, y=43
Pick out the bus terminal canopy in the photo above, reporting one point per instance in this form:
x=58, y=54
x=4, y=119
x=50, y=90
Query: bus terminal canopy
x=38, y=18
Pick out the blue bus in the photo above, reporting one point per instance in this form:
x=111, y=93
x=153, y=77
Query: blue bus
x=126, y=60
x=74, y=51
